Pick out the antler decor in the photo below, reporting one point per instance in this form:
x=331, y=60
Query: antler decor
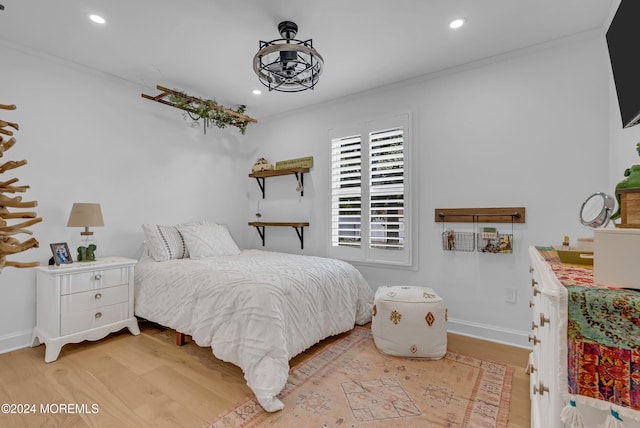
x=8, y=244
x=208, y=110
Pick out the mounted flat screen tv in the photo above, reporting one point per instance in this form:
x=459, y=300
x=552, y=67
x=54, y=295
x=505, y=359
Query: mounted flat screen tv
x=622, y=39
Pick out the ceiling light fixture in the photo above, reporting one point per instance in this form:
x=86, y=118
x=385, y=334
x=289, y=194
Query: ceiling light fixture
x=97, y=19
x=457, y=23
x=288, y=64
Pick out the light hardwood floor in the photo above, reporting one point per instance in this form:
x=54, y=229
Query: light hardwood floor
x=147, y=381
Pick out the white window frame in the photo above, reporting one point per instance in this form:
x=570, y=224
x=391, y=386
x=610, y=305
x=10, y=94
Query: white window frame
x=365, y=253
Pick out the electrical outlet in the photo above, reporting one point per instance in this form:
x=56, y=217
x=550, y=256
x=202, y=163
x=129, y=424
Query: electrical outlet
x=511, y=295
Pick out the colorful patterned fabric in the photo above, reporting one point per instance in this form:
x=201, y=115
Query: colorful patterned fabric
x=608, y=317
x=604, y=373
x=603, y=336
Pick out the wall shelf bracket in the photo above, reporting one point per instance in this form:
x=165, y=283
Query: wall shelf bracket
x=300, y=232
x=260, y=181
x=299, y=227
x=300, y=181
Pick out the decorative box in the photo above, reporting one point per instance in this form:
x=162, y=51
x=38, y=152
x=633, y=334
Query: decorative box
x=629, y=207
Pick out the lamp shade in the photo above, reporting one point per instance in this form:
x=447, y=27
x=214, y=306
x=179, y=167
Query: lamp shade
x=85, y=215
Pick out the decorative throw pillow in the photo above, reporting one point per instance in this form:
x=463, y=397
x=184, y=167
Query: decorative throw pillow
x=164, y=242
x=208, y=240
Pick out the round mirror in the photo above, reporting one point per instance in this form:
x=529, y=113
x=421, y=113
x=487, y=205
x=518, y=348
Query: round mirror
x=596, y=210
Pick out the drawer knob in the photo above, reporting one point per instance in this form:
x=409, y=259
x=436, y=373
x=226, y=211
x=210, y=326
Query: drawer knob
x=98, y=296
x=531, y=304
x=533, y=282
x=530, y=269
x=544, y=320
x=536, y=291
x=540, y=388
x=534, y=339
x=533, y=325
x=98, y=315
x=98, y=277
x=530, y=368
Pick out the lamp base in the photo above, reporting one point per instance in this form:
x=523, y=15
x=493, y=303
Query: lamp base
x=86, y=249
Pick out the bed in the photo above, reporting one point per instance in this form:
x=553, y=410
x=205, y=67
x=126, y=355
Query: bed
x=256, y=309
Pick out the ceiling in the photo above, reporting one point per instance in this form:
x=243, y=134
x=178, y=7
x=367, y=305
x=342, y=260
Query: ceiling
x=206, y=47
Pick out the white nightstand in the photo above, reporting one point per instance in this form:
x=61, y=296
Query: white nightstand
x=83, y=301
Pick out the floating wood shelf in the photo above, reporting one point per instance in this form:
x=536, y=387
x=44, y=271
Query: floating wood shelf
x=298, y=226
x=261, y=175
x=480, y=215
x=166, y=92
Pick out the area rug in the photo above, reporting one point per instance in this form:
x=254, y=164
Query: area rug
x=351, y=384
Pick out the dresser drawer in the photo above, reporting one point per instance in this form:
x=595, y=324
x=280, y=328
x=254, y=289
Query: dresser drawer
x=93, y=299
x=92, y=318
x=92, y=280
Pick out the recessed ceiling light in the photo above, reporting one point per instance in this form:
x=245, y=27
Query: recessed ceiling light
x=457, y=23
x=97, y=19
x=256, y=92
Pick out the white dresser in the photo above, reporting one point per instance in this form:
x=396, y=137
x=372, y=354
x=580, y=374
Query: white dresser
x=83, y=301
x=548, y=360
x=545, y=363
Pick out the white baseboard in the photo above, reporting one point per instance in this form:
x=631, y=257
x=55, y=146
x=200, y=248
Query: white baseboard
x=14, y=341
x=517, y=338
x=488, y=332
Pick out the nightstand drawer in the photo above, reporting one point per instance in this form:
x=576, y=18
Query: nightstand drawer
x=78, y=302
x=92, y=318
x=92, y=280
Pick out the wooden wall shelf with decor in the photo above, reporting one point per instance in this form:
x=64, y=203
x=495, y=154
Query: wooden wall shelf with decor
x=298, y=172
x=485, y=240
x=298, y=226
x=480, y=215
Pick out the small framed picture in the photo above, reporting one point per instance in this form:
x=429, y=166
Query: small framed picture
x=61, y=254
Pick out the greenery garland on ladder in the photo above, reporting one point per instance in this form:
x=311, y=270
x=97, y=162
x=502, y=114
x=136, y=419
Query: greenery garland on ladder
x=212, y=113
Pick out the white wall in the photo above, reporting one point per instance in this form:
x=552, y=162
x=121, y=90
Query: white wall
x=89, y=137
x=528, y=129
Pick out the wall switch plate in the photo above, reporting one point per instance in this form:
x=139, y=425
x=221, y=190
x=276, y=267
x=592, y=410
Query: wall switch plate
x=511, y=295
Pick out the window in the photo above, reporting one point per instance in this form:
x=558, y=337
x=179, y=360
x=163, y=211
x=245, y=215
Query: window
x=369, y=188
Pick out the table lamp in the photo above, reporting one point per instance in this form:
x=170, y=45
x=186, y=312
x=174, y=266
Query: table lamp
x=86, y=215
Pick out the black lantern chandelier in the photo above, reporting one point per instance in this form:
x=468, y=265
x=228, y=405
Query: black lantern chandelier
x=288, y=64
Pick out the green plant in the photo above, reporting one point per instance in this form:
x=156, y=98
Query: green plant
x=212, y=113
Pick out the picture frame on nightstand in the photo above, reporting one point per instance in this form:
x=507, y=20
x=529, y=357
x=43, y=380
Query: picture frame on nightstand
x=61, y=253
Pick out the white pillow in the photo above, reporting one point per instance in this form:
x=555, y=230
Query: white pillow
x=166, y=242
x=208, y=240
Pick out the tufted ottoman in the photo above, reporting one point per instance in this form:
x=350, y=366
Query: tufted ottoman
x=409, y=322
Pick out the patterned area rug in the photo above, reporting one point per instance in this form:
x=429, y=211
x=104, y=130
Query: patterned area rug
x=351, y=384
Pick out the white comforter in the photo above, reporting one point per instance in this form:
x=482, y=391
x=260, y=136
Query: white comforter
x=256, y=310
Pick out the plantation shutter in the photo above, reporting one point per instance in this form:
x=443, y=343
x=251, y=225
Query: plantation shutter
x=346, y=191
x=370, y=203
x=386, y=189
